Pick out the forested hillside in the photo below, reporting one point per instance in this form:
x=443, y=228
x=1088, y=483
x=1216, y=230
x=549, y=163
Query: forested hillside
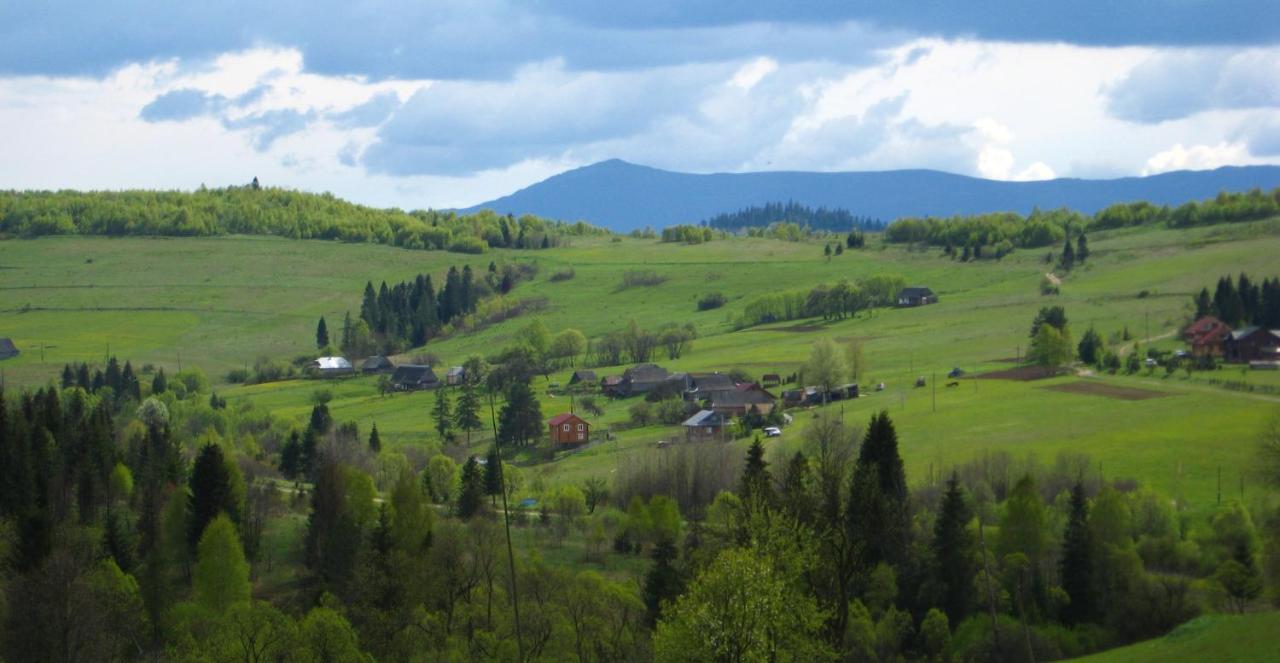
x=251, y=210
x=759, y=216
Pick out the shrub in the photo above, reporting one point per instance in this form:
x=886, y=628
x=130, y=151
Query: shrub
x=473, y=245
x=238, y=376
x=563, y=275
x=641, y=278
x=711, y=301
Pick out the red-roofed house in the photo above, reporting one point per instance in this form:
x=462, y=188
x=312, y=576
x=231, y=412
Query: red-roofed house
x=1206, y=335
x=569, y=428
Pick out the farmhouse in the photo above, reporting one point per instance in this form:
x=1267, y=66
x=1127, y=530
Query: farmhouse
x=740, y=401
x=328, y=367
x=569, y=428
x=705, y=425
x=376, y=365
x=455, y=376
x=916, y=296
x=1206, y=336
x=413, y=377
x=584, y=378
x=703, y=386
x=1251, y=344
x=641, y=379
x=7, y=348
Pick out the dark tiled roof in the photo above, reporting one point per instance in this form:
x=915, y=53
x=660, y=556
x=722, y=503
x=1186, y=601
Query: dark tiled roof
x=414, y=374
x=916, y=291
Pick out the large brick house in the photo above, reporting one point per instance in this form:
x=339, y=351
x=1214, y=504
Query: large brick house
x=569, y=428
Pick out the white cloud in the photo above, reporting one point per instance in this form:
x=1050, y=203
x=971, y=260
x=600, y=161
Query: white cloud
x=1196, y=157
x=753, y=72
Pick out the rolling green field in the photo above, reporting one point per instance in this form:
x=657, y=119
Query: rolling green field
x=1234, y=638
x=220, y=303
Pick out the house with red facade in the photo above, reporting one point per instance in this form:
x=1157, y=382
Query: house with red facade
x=1206, y=336
x=569, y=428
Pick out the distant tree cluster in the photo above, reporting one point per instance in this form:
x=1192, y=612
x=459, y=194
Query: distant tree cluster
x=637, y=345
x=831, y=302
x=1242, y=302
x=687, y=234
x=272, y=211
x=820, y=219
x=1251, y=205
x=986, y=235
x=122, y=382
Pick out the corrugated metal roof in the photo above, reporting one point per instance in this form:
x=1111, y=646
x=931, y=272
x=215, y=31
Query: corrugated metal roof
x=332, y=363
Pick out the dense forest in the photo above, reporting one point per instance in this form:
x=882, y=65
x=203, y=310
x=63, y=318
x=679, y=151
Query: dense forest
x=1242, y=302
x=1004, y=231
x=820, y=219
x=251, y=210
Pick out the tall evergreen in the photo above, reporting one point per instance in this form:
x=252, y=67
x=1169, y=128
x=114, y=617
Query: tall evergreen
x=129, y=385
x=467, y=410
x=795, y=495
x=953, y=553
x=493, y=474
x=160, y=383
x=1204, y=303
x=375, y=442
x=440, y=413
x=112, y=377
x=291, y=457
x=1227, y=302
x=68, y=376
x=520, y=421
x=880, y=448
x=756, y=486
x=662, y=583
x=1068, y=255
x=1077, y=561
x=471, y=497
x=1082, y=249
x=211, y=492
x=322, y=334
x=321, y=421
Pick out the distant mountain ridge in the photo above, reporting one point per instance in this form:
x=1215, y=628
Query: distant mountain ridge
x=624, y=196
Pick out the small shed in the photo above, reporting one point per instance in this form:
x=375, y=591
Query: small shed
x=329, y=367
x=8, y=349
x=376, y=365
x=916, y=296
x=414, y=377
x=569, y=428
x=584, y=378
x=455, y=376
x=705, y=425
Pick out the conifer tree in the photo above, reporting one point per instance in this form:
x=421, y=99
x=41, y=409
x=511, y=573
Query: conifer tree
x=375, y=442
x=467, y=410
x=112, y=377
x=291, y=457
x=68, y=376
x=440, y=413
x=839, y=249
x=211, y=492
x=82, y=378
x=321, y=421
x=662, y=583
x=493, y=475
x=795, y=496
x=520, y=421
x=345, y=342
x=756, y=486
x=1082, y=249
x=1068, y=255
x=880, y=448
x=1204, y=304
x=471, y=498
x=953, y=552
x=129, y=385
x=160, y=383
x=1077, y=561
x=322, y=334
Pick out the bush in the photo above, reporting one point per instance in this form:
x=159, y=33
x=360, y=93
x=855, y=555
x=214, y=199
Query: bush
x=238, y=375
x=473, y=245
x=641, y=413
x=563, y=275
x=709, y=301
x=641, y=278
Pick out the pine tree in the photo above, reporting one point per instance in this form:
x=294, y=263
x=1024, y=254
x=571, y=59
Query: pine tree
x=1082, y=249
x=1077, y=561
x=493, y=474
x=471, y=498
x=369, y=306
x=1204, y=304
x=839, y=249
x=159, y=384
x=321, y=421
x=440, y=413
x=756, y=486
x=322, y=334
x=210, y=491
x=880, y=448
x=520, y=421
x=291, y=457
x=68, y=376
x=467, y=411
x=826, y=250
x=953, y=550
x=375, y=442
x=795, y=495
x=1068, y=255
x=113, y=376
x=82, y=378
x=129, y=384
x=662, y=584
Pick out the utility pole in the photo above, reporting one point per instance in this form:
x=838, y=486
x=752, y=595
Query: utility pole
x=935, y=391
x=506, y=520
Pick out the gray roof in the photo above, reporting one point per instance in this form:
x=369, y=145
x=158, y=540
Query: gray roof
x=456, y=371
x=705, y=418
x=739, y=398
x=414, y=374
x=376, y=362
x=916, y=291
x=644, y=373
x=1243, y=332
x=7, y=348
x=712, y=381
x=583, y=376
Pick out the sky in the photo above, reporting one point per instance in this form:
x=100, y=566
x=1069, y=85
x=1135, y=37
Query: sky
x=433, y=104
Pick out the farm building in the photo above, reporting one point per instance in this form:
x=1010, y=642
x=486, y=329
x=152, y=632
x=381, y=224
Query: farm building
x=771, y=380
x=740, y=401
x=569, y=428
x=1206, y=336
x=641, y=379
x=375, y=365
x=916, y=296
x=703, y=386
x=328, y=367
x=705, y=425
x=611, y=385
x=806, y=396
x=584, y=378
x=1252, y=344
x=7, y=348
x=455, y=376
x=413, y=377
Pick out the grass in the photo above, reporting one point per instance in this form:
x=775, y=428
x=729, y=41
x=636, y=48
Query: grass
x=1219, y=638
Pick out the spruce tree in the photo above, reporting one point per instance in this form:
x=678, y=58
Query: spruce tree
x=321, y=421
x=375, y=442
x=795, y=496
x=756, y=486
x=369, y=306
x=493, y=474
x=129, y=385
x=953, y=553
x=520, y=421
x=662, y=584
x=322, y=334
x=82, y=378
x=467, y=410
x=1204, y=304
x=1077, y=561
x=471, y=498
x=1068, y=255
x=440, y=413
x=68, y=376
x=880, y=448
x=1082, y=249
x=291, y=457
x=113, y=376
x=159, y=384
x=210, y=491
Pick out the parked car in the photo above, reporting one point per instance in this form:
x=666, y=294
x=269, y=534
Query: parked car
x=1150, y=362
x=773, y=431
x=956, y=372
x=920, y=381
x=880, y=387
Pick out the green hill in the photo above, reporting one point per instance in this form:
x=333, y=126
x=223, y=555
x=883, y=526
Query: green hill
x=1224, y=638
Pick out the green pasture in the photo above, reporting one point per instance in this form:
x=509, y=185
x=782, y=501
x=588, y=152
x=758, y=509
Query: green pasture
x=1219, y=638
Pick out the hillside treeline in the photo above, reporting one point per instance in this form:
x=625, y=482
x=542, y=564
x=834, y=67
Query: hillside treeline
x=831, y=302
x=1242, y=302
x=1007, y=230
x=271, y=211
x=822, y=218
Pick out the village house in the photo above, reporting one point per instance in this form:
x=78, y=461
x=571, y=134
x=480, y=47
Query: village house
x=916, y=296
x=455, y=376
x=582, y=378
x=1252, y=344
x=638, y=380
x=703, y=386
x=414, y=377
x=377, y=365
x=7, y=348
x=739, y=402
x=330, y=367
x=705, y=425
x=569, y=428
x=1206, y=336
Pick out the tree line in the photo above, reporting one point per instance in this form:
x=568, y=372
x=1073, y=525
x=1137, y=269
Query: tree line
x=1242, y=301
x=272, y=211
x=824, y=219
x=831, y=302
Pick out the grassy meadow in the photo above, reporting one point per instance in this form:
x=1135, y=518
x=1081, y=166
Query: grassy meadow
x=219, y=303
